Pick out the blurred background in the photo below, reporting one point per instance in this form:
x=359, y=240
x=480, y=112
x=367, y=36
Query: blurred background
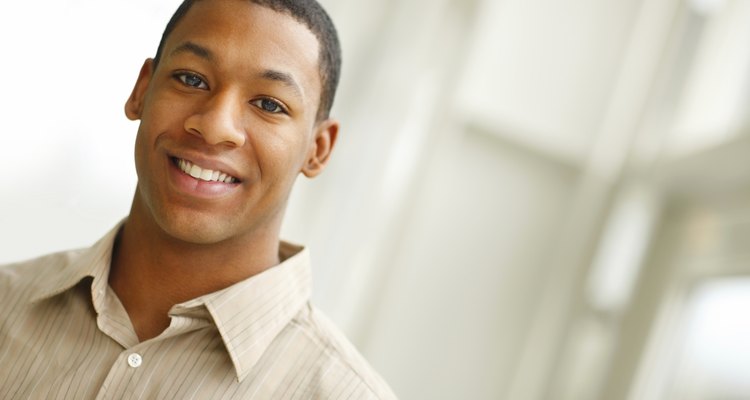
x=530, y=199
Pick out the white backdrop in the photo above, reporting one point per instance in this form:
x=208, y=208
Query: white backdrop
x=66, y=151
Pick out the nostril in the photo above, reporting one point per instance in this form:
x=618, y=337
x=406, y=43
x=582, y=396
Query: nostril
x=219, y=123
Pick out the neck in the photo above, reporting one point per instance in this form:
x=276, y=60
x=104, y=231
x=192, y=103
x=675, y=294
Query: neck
x=152, y=271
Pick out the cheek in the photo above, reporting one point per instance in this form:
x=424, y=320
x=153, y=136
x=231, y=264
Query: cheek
x=163, y=109
x=145, y=154
x=139, y=152
x=287, y=157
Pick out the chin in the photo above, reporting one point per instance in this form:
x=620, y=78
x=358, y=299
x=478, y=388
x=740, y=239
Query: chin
x=200, y=230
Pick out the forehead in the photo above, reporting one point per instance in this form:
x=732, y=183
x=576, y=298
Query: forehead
x=242, y=34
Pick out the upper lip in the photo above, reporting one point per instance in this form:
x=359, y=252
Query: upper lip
x=209, y=163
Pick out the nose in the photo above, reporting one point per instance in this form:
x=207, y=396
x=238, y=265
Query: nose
x=218, y=121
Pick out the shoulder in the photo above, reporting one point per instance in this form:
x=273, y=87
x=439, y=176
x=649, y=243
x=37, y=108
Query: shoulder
x=344, y=372
x=23, y=279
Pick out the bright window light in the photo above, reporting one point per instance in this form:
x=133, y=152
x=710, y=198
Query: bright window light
x=716, y=351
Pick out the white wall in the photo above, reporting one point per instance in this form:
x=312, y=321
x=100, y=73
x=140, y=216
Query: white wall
x=66, y=152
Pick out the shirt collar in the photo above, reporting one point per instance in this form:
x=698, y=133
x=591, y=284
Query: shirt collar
x=248, y=314
x=251, y=313
x=78, y=264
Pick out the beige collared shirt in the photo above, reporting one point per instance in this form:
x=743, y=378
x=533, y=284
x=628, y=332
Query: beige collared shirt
x=65, y=335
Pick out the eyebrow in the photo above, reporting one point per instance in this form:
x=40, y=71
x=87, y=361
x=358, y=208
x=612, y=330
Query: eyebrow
x=283, y=77
x=269, y=74
x=198, y=50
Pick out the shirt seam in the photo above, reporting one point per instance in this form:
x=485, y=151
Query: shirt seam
x=336, y=355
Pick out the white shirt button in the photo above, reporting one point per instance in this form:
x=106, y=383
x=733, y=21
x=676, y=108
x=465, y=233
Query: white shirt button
x=135, y=360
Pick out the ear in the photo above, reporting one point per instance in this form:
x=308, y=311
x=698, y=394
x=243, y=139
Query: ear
x=134, y=104
x=320, y=150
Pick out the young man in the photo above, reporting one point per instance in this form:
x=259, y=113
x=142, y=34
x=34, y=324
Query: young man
x=193, y=296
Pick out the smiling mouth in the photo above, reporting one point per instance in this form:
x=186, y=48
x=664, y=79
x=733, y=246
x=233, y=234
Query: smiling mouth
x=203, y=174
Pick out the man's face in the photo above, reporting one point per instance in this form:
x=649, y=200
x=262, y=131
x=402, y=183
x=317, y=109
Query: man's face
x=227, y=122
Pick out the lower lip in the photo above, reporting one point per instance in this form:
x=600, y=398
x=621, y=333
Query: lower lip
x=198, y=187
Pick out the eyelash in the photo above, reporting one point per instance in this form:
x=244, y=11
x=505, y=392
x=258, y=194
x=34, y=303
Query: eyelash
x=259, y=103
x=183, y=76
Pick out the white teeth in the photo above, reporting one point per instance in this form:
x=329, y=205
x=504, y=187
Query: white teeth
x=195, y=171
x=204, y=174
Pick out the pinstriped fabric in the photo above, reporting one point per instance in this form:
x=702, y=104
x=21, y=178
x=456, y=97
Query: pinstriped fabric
x=65, y=335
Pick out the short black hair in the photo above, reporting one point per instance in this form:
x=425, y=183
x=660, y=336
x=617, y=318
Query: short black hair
x=311, y=14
